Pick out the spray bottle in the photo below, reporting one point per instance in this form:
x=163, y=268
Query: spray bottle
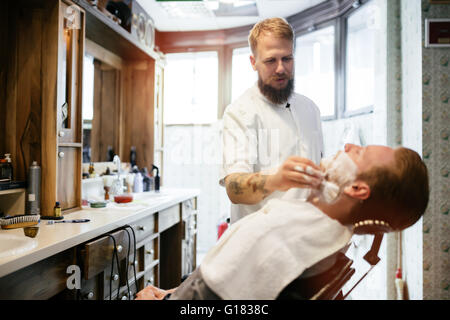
x=33, y=190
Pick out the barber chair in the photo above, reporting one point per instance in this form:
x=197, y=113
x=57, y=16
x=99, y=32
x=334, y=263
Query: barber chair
x=328, y=285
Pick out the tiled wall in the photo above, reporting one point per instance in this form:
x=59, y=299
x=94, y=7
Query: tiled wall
x=435, y=142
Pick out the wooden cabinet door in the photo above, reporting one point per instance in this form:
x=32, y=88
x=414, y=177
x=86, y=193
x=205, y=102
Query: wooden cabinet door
x=71, y=54
x=69, y=105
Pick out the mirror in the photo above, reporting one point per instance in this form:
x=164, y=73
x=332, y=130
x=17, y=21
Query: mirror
x=101, y=99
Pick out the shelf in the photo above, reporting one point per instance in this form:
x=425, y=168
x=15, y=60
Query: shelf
x=112, y=36
x=12, y=191
x=70, y=144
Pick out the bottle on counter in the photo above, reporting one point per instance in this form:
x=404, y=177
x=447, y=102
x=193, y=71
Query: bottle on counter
x=91, y=170
x=6, y=169
x=138, y=182
x=57, y=209
x=33, y=190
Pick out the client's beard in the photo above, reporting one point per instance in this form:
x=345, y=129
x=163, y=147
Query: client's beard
x=339, y=172
x=276, y=96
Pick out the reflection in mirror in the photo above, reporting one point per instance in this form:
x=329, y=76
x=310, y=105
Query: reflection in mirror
x=88, y=105
x=100, y=110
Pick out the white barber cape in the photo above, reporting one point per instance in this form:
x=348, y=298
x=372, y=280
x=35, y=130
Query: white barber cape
x=258, y=136
x=259, y=255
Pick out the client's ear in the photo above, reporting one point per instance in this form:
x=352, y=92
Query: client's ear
x=358, y=189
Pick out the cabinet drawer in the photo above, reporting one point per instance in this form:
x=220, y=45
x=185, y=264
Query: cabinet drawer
x=169, y=217
x=150, y=277
x=98, y=254
x=150, y=250
x=127, y=271
x=144, y=227
x=90, y=289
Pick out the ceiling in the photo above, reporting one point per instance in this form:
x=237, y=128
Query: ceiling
x=219, y=14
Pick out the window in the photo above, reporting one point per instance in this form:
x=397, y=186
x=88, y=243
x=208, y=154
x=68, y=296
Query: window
x=243, y=75
x=360, y=59
x=314, y=69
x=191, y=88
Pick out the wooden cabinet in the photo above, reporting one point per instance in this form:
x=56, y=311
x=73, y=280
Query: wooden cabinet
x=118, y=264
x=71, y=34
x=42, y=82
x=41, y=93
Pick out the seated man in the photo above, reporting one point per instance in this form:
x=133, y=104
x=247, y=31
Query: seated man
x=261, y=254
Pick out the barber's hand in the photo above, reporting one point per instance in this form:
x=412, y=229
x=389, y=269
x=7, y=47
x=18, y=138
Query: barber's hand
x=296, y=172
x=152, y=293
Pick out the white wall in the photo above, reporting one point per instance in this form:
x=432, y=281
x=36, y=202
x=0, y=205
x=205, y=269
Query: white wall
x=412, y=133
x=192, y=159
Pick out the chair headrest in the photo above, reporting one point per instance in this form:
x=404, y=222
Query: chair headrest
x=371, y=227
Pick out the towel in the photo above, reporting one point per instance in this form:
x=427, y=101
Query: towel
x=263, y=252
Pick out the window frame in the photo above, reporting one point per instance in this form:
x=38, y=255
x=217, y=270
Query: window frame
x=363, y=110
x=322, y=16
x=317, y=27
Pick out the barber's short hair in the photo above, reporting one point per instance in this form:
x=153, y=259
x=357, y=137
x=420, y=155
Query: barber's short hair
x=401, y=188
x=279, y=27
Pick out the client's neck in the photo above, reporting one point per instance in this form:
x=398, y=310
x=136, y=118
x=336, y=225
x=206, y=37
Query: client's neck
x=339, y=210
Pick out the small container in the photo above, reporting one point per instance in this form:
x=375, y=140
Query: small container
x=124, y=198
x=6, y=169
x=57, y=209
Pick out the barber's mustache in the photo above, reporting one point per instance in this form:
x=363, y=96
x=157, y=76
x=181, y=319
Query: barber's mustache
x=283, y=76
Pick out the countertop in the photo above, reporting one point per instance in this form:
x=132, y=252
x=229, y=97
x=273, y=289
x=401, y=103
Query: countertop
x=58, y=237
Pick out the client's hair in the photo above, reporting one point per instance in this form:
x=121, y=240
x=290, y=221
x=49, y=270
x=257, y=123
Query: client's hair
x=399, y=192
x=279, y=27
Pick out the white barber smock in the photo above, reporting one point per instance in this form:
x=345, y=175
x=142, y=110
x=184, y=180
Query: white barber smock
x=259, y=255
x=258, y=136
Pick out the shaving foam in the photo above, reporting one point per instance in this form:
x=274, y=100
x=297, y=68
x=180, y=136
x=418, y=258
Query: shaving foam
x=339, y=171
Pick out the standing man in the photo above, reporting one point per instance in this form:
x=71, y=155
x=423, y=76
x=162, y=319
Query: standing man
x=270, y=131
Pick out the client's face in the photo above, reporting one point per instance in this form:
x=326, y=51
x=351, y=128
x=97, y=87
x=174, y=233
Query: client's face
x=345, y=166
x=365, y=158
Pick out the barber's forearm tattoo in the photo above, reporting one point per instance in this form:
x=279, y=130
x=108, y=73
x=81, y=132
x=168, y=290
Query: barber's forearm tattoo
x=248, y=184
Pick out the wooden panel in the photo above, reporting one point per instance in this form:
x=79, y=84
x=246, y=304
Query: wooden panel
x=39, y=281
x=12, y=203
x=170, y=257
x=4, y=56
x=49, y=110
x=69, y=178
x=169, y=41
x=106, y=123
x=168, y=217
x=97, y=254
x=138, y=115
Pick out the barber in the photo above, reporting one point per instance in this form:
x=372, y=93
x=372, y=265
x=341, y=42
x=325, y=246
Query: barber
x=270, y=131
